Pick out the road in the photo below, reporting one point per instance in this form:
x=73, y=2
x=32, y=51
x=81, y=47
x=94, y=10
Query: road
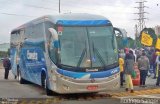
x=11, y=88
x=11, y=91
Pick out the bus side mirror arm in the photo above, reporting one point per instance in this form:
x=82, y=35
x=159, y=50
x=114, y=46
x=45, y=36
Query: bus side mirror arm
x=54, y=33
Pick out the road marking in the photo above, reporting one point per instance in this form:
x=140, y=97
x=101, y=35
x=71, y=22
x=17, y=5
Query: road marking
x=149, y=96
x=146, y=92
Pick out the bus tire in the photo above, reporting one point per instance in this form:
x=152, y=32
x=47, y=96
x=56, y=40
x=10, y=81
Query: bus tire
x=44, y=84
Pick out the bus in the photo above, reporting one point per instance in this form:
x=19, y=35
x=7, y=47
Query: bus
x=66, y=53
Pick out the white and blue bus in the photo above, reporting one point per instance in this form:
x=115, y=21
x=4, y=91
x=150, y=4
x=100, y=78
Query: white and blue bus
x=67, y=53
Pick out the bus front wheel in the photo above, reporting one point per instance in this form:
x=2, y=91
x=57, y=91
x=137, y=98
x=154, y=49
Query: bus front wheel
x=45, y=85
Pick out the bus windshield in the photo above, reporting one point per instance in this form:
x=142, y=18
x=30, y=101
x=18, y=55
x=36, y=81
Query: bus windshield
x=87, y=47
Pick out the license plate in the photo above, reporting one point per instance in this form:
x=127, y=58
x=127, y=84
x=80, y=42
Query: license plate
x=92, y=87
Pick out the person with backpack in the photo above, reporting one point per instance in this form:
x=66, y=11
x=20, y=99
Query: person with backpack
x=128, y=70
x=7, y=67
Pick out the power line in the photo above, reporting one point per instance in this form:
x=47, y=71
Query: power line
x=17, y=15
x=72, y=4
x=34, y=6
x=66, y=4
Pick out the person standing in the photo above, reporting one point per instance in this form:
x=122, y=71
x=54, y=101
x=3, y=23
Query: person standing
x=7, y=67
x=122, y=54
x=131, y=52
x=121, y=67
x=149, y=55
x=158, y=70
x=154, y=56
x=128, y=69
x=143, y=66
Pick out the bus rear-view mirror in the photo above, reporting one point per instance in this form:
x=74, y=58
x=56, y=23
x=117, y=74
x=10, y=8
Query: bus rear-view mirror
x=55, y=42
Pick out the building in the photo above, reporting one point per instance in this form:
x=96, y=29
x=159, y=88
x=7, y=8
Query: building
x=157, y=30
x=4, y=47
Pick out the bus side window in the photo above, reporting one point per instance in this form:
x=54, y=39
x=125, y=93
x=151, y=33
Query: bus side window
x=52, y=50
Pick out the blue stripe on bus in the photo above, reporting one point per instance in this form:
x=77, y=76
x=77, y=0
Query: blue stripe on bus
x=83, y=22
x=79, y=75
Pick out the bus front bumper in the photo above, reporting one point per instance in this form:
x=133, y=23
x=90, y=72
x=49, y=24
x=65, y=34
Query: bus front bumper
x=65, y=85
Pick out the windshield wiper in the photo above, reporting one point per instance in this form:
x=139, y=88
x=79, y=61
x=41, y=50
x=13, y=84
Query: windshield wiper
x=95, y=50
x=81, y=57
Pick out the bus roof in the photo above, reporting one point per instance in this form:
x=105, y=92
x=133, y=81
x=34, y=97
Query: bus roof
x=70, y=19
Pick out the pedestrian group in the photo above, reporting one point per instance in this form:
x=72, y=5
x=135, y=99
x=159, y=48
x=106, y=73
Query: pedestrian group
x=147, y=61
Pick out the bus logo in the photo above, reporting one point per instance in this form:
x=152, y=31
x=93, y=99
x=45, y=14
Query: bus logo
x=91, y=70
x=32, y=55
x=114, y=71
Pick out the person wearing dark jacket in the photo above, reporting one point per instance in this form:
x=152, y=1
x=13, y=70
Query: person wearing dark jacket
x=129, y=68
x=154, y=56
x=7, y=67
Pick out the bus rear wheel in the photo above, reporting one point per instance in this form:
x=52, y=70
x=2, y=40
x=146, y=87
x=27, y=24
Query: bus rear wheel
x=44, y=84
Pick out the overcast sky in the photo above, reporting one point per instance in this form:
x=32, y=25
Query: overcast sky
x=14, y=13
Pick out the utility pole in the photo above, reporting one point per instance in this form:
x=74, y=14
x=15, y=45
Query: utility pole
x=136, y=36
x=136, y=31
x=141, y=17
x=59, y=6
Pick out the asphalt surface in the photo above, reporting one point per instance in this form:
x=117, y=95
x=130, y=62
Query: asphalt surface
x=11, y=92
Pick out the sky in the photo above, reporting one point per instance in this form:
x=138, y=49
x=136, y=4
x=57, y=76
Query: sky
x=14, y=13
